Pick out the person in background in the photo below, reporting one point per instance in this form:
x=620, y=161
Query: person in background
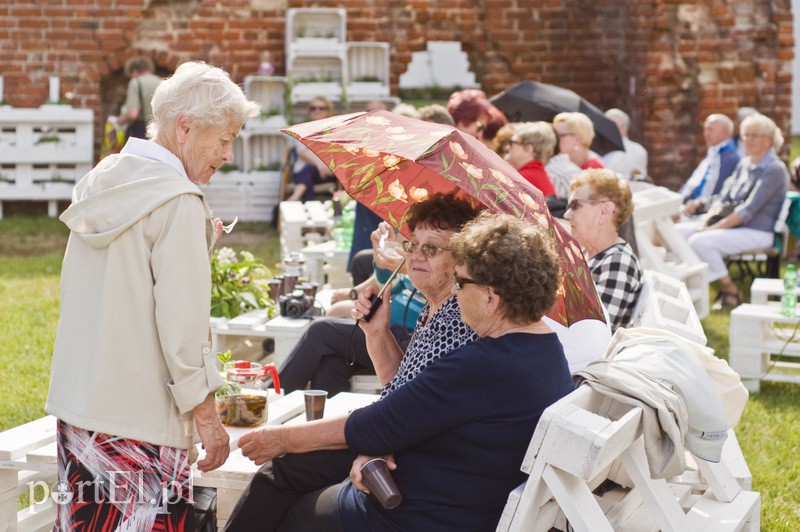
x=137, y=111
x=632, y=162
x=710, y=175
x=755, y=193
x=530, y=148
x=435, y=113
x=497, y=121
x=455, y=458
x=575, y=133
x=470, y=110
x=599, y=203
x=133, y=375
x=741, y=114
x=309, y=169
x=502, y=140
x=405, y=109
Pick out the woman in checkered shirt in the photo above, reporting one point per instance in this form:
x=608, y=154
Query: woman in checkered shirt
x=599, y=203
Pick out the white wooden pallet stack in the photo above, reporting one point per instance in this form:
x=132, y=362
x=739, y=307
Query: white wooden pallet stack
x=43, y=152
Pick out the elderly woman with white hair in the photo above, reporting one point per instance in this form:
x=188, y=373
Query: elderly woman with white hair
x=133, y=376
x=743, y=216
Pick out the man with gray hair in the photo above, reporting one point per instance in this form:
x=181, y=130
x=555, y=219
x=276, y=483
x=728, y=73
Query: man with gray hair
x=720, y=160
x=631, y=163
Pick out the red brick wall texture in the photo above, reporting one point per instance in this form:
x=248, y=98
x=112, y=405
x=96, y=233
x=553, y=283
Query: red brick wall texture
x=668, y=63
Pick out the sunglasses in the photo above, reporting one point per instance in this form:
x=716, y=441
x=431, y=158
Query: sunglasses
x=429, y=250
x=317, y=108
x=575, y=204
x=461, y=281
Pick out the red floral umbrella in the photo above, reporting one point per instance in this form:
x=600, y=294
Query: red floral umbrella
x=387, y=161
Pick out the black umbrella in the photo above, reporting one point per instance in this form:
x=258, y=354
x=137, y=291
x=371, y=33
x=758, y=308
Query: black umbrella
x=529, y=101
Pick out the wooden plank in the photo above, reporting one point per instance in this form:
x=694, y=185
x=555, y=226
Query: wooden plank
x=17, y=441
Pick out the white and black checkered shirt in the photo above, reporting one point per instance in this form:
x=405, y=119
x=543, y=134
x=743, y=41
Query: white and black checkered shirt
x=618, y=277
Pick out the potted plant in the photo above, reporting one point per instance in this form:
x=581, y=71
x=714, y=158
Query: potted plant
x=239, y=284
x=367, y=87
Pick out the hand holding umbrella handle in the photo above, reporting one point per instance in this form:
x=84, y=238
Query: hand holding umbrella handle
x=377, y=299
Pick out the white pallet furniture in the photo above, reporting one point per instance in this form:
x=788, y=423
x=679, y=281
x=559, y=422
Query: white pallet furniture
x=663, y=249
x=269, y=92
x=367, y=71
x=757, y=332
x=285, y=331
x=327, y=265
x=765, y=289
x=315, y=31
x=250, y=196
x=28, y=457
x=665, y=303
x=586, y=438
x=303, y=224
x=43, y=152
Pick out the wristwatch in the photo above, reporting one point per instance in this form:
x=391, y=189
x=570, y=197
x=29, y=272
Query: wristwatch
x=353, y=294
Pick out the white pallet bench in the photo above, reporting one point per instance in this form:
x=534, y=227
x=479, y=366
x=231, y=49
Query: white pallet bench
x=303, y=224
x=663, y=249
x=756, y=333
x=285, y=331
x=584, y=439
x=28, y=454
x=665, y=303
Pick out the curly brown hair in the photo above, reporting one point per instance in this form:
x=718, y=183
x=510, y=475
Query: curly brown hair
x=441, y=211
x=515, y=258
x=606, y=185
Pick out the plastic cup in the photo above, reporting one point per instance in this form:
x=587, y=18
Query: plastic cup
x=315, y=404
x=381, y=485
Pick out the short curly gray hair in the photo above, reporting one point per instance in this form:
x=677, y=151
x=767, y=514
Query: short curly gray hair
x=203, y=93
x=515, y=258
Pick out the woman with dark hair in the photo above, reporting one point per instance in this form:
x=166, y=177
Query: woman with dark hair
x=455, y=436
x=439, y=330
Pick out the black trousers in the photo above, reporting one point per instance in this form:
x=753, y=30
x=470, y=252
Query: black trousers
x=328, y=354
x=289, y=483
x=361, y=267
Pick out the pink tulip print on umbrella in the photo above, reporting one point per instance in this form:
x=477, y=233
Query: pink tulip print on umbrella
x=388, y=161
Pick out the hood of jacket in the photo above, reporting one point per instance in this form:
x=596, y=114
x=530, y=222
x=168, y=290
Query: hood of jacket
x=121, y=190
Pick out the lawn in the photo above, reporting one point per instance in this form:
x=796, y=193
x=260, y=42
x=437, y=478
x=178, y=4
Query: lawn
x=31, y=249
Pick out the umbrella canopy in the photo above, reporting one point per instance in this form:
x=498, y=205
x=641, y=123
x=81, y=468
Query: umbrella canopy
x=529, y=101
x=387, y=162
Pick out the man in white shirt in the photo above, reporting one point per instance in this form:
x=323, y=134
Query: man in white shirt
x=631, y=163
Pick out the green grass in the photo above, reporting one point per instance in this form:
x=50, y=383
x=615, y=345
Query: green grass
x=769, y=432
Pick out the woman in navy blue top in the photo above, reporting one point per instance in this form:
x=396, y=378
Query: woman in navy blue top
x=455, y=436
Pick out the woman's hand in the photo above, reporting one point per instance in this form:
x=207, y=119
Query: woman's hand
x=263, y=445
x=380, y=320
x=358, y=463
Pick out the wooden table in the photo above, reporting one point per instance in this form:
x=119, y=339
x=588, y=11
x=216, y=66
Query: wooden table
x=28, y=461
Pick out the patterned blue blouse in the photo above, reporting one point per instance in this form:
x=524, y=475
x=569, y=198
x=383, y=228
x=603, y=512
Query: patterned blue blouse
x=443, y=333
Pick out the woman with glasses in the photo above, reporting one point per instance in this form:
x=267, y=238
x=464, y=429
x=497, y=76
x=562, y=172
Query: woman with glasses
x=310, y=170
x=742, y=218
x=599, y=203
x=439, y=330
x=455, y=436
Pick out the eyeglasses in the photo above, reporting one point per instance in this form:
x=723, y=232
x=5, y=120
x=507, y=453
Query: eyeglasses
x=575, y=204
x=479, y=126
x=429, y=250
x=317, y=108
x=562, y=135
x=461, y=281
x=751, y=136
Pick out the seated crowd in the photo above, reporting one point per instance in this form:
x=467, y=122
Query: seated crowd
x=458, y=321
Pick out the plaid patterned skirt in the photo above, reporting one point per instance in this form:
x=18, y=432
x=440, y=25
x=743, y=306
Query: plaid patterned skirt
x=107, y=483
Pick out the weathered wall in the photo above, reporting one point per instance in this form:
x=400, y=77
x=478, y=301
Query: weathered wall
x=669, y=63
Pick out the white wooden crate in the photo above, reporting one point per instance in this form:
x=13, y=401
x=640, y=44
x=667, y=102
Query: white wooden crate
x=665, y=303
x=367, y=70
x=250, y=196
x=303, y=224
x=268, y=91
x=315, y=31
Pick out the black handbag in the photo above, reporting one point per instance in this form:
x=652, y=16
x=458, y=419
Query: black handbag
x=718, y=212
x=138, y=128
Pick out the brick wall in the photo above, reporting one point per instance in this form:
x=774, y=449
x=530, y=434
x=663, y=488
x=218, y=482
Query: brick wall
x=669, y=63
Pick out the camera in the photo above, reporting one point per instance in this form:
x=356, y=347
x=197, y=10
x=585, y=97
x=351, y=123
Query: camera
x=295, y=305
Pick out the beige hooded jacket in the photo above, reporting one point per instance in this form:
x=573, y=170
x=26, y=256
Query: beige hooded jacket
x=131, y=356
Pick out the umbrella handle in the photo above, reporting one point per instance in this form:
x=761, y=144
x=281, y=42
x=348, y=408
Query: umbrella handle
x=377, y=299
